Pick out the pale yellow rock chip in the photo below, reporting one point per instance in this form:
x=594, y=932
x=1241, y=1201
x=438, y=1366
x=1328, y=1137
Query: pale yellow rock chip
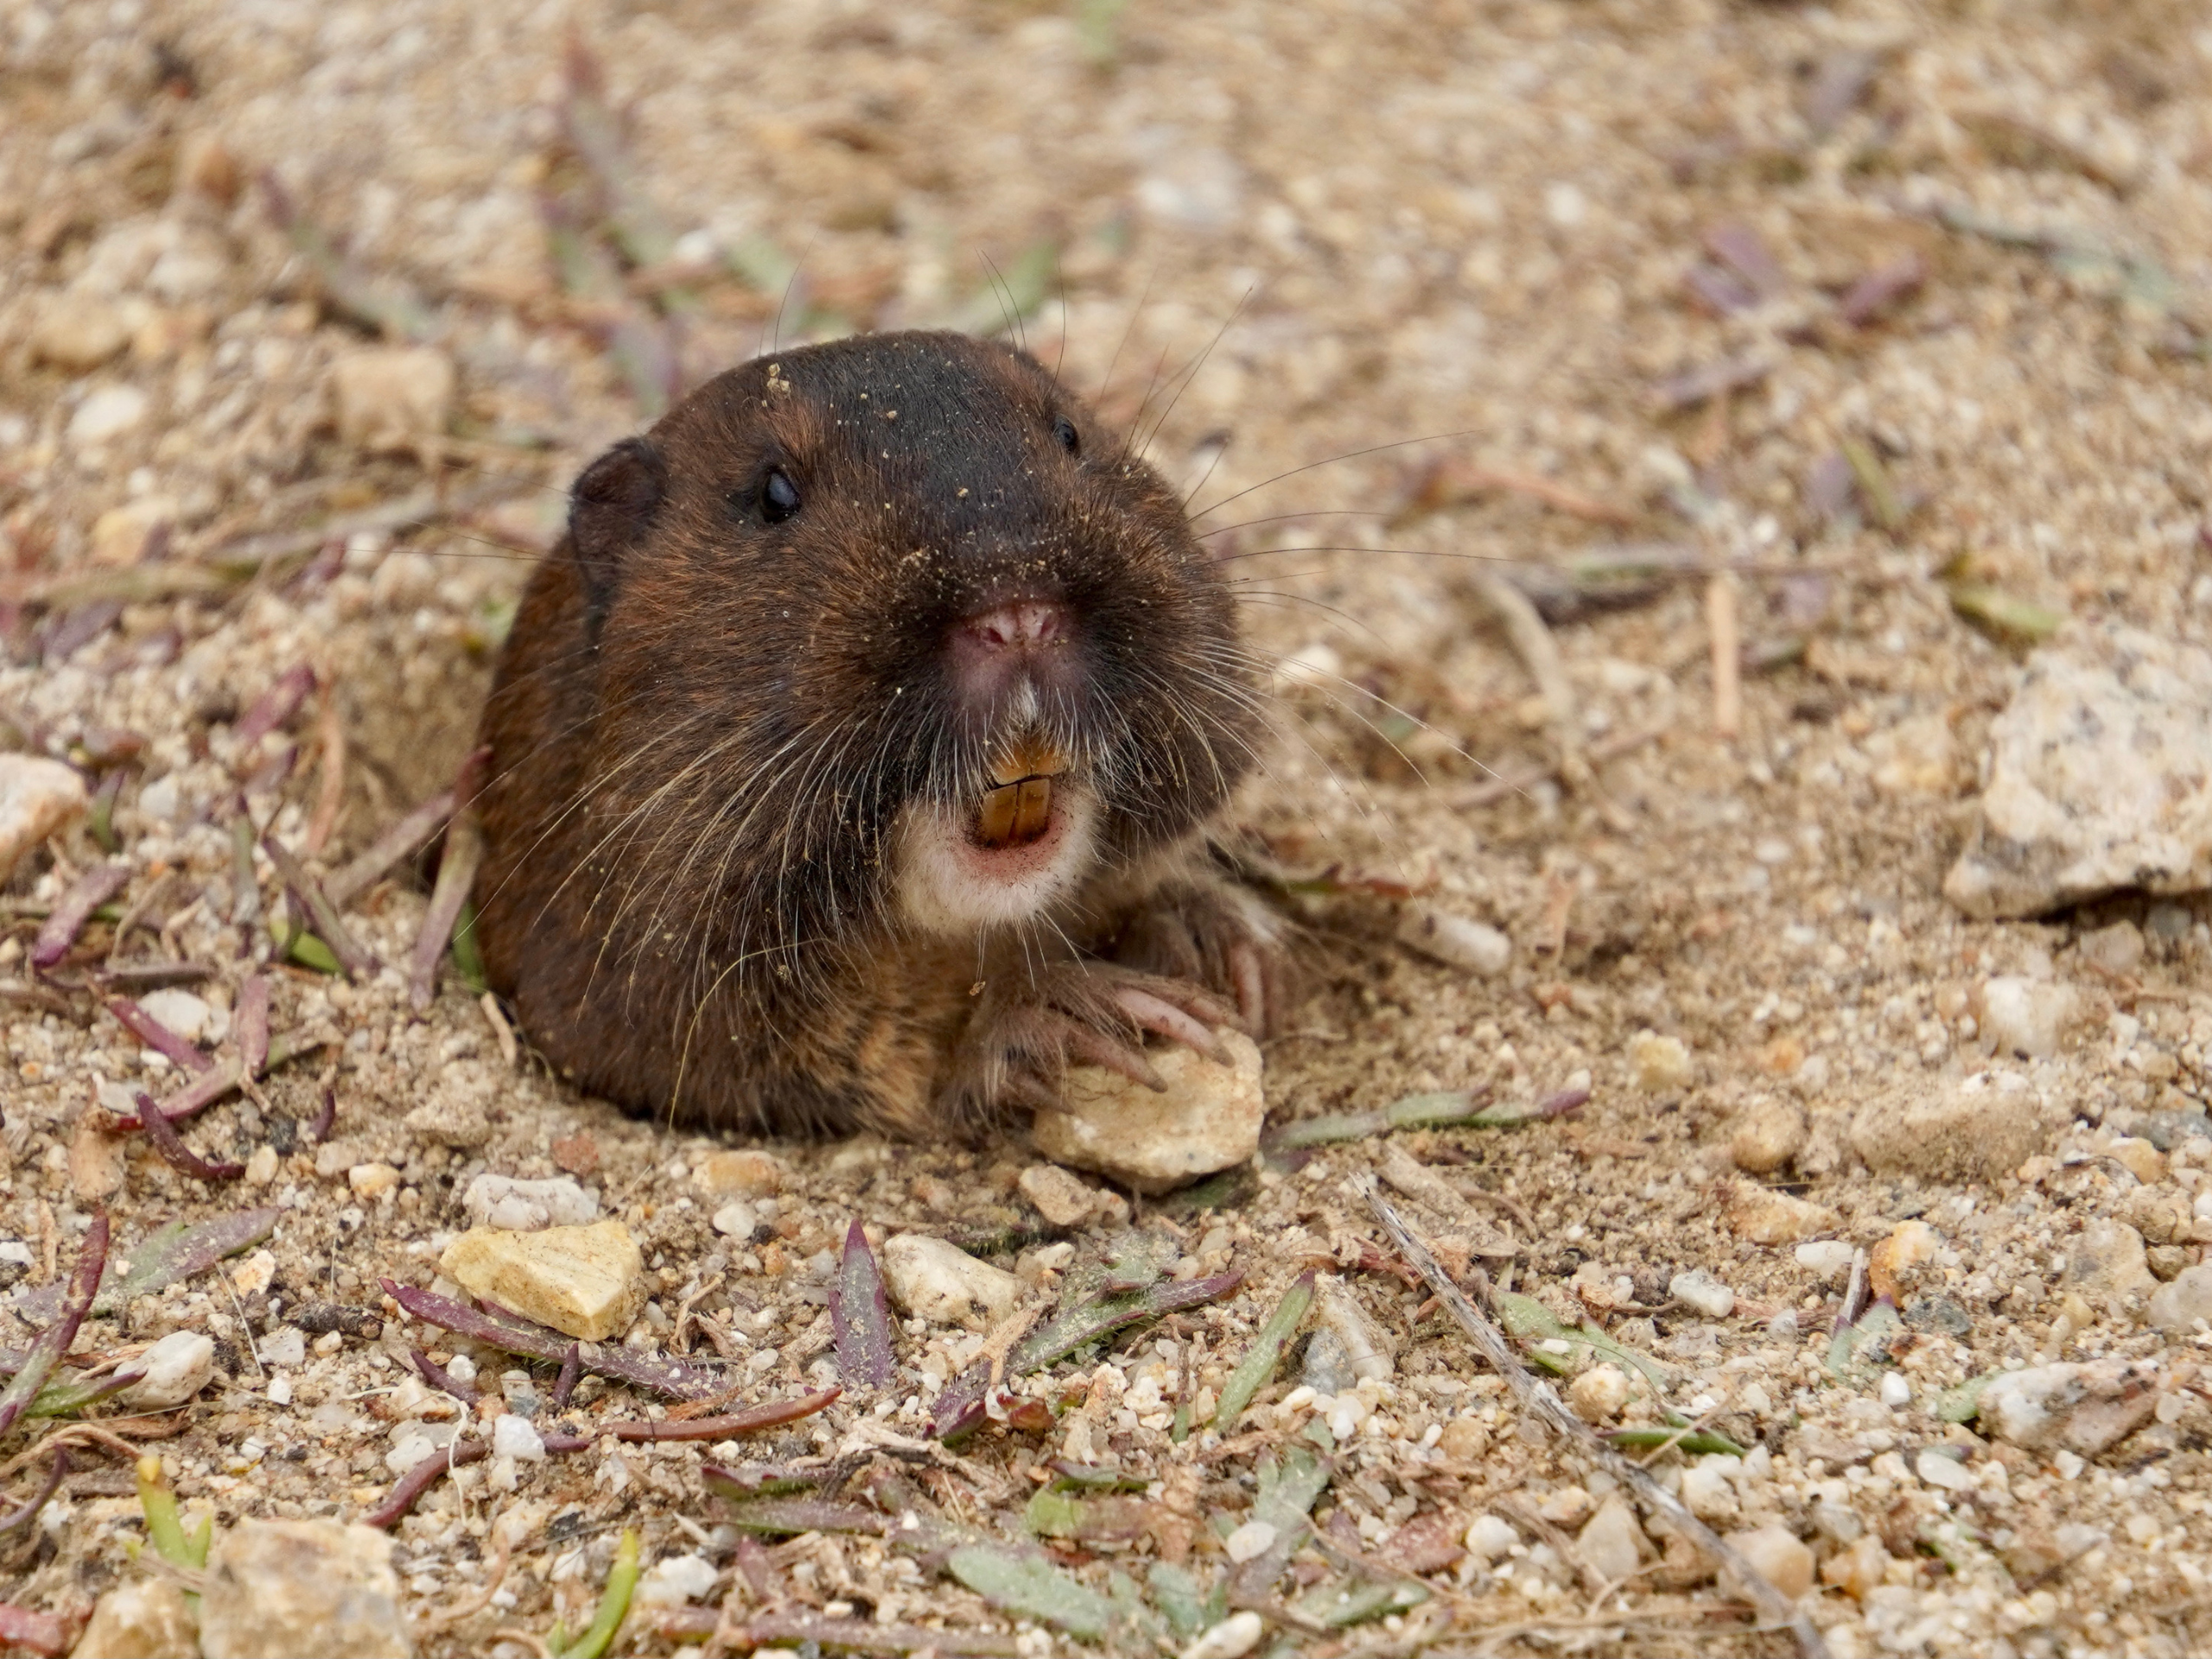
x=586, y=1282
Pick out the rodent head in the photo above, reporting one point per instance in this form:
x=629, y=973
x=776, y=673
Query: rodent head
x=891, y=631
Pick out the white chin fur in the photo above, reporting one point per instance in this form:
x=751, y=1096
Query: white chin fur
x=948, y=884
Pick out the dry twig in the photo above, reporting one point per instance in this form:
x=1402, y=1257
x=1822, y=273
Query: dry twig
x=1541, y=1401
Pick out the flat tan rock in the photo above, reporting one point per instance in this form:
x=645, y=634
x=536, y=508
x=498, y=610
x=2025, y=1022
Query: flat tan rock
x=146, y=1620
x=1208, y=1118
x=281, y=1589
x=586, y=1282
x=37, y=797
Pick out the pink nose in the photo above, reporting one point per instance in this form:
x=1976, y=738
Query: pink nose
x=1026, y=625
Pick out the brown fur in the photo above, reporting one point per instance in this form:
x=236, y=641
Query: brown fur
x=705, y=725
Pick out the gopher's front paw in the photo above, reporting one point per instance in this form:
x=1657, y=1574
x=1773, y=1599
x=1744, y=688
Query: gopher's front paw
x=1026, y=1032
x=1217, y=935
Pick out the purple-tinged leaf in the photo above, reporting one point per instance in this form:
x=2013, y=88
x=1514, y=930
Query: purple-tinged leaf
x=960, y=1408
x=440, y=1378
x=456, y=875
x=42, y=1633
x=246, y=885
x=772, y=1413
x=1830, y=488
x=809, y=1631
x=274, y=707
x=1738, y=247
x=326, y=1116
x=161, y=1135
x=753, y=1480
x=401, y=839
x=783, y=1516
x=54, y=1340
x=204, y=1090
x=28, y=1511
x=311, y=901
x=1880, y=288
x=153, y=975
x=74, y=909
x=160, y=1260
x=251, y=1023
x=387, y=305
x=1694, y=386
x=510, y=1331
x=63, y=1398
x=571, y=1373
x=860, y=1317
x=1721, y=292
x=423, y=1476
x=1839, y=82
x=155, y=1035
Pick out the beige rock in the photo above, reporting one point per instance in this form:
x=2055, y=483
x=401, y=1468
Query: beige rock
x=587, y=1282
x=1455, y=941
x=939, y=1281
x=1597, y=1394
x=96, y=1158
x=1981, y=1127
x=38, y=797
x=1662, y=1064
x=149, y=1619
x=2139, y=1158
x=281, y=1589
x=1768, y=1134
x=1208, y=1119
x=2028, y=1017
x=77, y=332
x=456, y=1121
x=2099, y=777
x=1858, y=1570
x=1779, y=1556
x=2178, y=1306
x=177, y=1368
x=2107, y=1263
x=1611, y=1543
x=120, y=535
x=1764, y=1216
x=1916, y=757
x=372, y=1180
x=108, y=414
x=1064, y=1199
x=388, y=399
x=741, y=1174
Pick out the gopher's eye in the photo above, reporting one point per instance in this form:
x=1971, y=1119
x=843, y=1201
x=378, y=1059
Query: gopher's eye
x=1064, y=433
x=778, y=497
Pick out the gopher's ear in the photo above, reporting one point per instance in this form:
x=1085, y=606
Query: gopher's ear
x=610, y=509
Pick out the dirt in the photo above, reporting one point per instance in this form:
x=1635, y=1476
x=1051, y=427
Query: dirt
x=1322, y=236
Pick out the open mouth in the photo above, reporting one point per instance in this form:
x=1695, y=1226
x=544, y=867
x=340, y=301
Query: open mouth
x=1018, y=807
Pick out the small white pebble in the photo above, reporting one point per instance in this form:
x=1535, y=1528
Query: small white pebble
x=1249, y=1542
x=515, y=1437
x=1947, y=1473
x=1896, y=1391
x=1702, y=1292
x=736, y=1219
x=1232, y=1638
x=1487, y=1537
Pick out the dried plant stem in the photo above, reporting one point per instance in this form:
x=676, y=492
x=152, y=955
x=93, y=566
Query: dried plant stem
x=1725, y=628
x=1541, y=1401
x=1539, y=653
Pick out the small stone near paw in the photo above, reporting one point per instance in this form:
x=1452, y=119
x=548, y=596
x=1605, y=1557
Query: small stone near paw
x=1207, y=1119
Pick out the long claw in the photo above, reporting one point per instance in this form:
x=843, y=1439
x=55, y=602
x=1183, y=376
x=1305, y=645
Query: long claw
x=1251, y=977
x=1125, y=1057
x=1157, y=1014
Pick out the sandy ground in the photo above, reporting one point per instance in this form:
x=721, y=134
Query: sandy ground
x=1611, y=250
